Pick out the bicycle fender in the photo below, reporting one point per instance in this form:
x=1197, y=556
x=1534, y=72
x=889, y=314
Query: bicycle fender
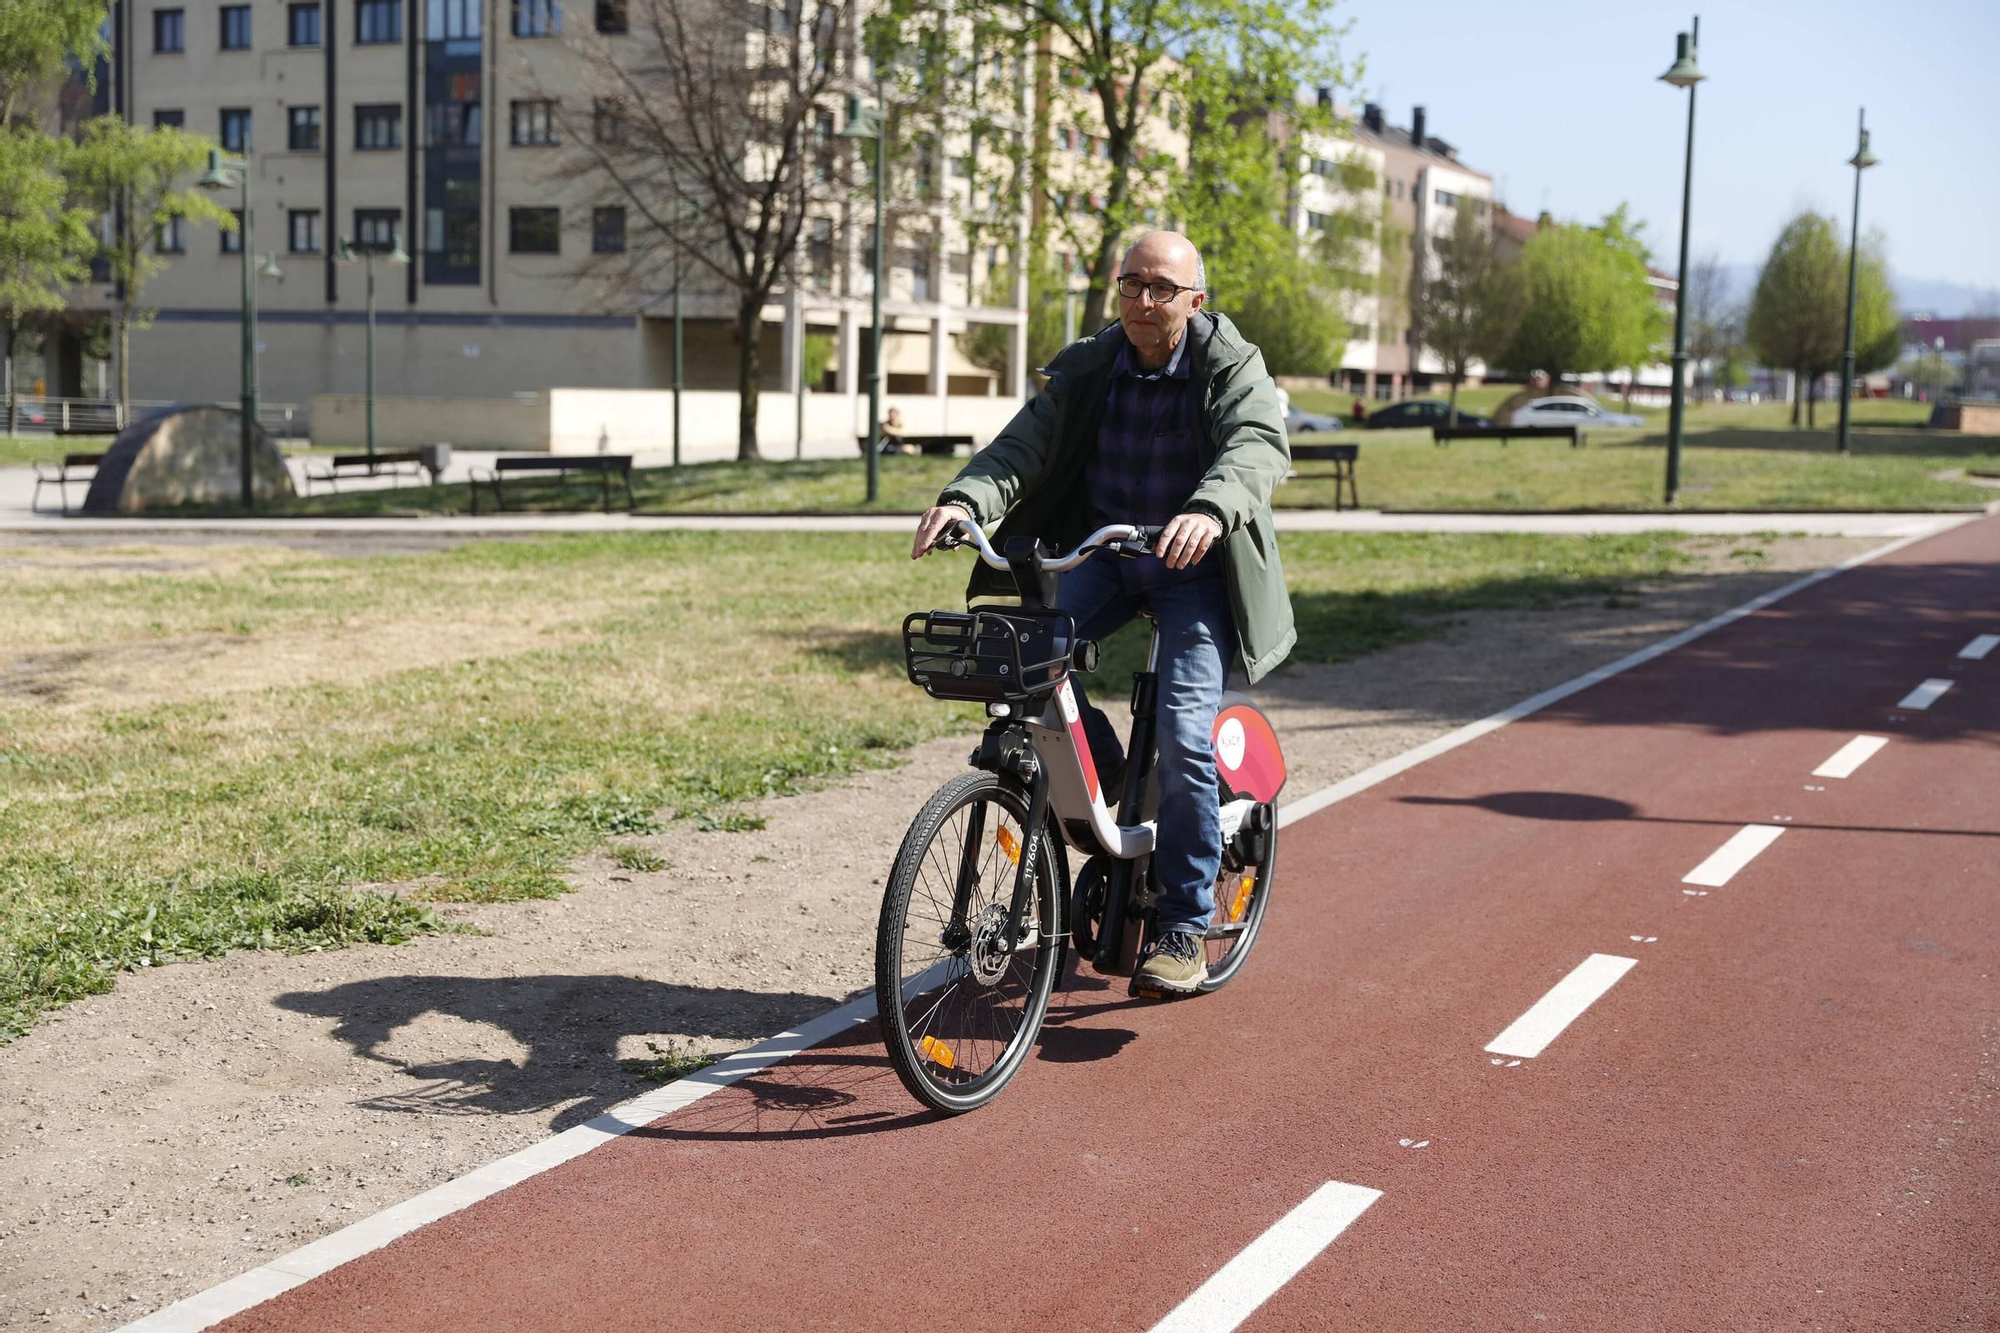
x=1248, y=759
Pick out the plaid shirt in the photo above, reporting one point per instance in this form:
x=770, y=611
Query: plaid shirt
x=1147, y=462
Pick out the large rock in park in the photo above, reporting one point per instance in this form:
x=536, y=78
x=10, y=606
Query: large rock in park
x=185, y=455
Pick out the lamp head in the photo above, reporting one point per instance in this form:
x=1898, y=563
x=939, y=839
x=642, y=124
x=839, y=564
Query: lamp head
x=863, y=121
x=268, y=266
x=1863, y=159
x=217, y=176
x=1684, y=73
x=397, y=254
x=344, y=252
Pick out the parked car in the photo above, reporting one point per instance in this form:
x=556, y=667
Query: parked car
x=1571, y=411
x=1299, y=421
x=1424, y=412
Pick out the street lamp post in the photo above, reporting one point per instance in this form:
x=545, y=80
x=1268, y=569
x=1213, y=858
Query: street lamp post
x=348, y=254
x=1683, y=74
x=866, y=123
x=1861, y=161
x=218, y=177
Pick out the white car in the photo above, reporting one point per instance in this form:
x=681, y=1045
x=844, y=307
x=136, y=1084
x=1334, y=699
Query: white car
x=1571, y=411
x=1300, y=422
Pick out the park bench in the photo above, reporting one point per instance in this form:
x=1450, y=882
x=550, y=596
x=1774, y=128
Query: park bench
x=1444, y=434
x=1343, y=457
x=556, y=466
x=75, y=469
x=398, y=463
x=929, y=444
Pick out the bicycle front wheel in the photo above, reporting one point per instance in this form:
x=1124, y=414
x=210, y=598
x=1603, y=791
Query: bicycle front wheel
x=960, y=1008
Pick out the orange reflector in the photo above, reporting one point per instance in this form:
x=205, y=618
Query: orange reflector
x=1242, y=898
x=1009, y=844
x=938, y=1052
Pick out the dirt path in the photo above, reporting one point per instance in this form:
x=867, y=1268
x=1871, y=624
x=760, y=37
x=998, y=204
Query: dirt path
x=200, y=1120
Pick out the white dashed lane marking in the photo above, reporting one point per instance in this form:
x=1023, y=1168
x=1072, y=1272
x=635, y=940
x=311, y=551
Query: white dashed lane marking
x=1979, y=647
x=1741, y=849
x=1850, y=757
x=1529, y=1035
x=1270, y=1261
x=1925, y=694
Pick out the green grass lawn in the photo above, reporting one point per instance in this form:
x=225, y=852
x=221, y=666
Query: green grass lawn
x=20, y=450
x=211, y=748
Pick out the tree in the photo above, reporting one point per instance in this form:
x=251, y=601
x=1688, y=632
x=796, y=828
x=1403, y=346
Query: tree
x=1709, y=310
x=38, y=39
x=42, y=239
x=710, y=125
x=1461, y=308
x=1583, y=301
x=1797, y=311
x=1878, y=328
x=143, y=176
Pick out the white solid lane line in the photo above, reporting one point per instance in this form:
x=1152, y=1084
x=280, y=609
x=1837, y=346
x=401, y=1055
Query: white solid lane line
x=1850, y=757
x=1528, y=1035
x=1732, y=856
x=1979, y=647
x=1925, y=694
x=1270, y=1261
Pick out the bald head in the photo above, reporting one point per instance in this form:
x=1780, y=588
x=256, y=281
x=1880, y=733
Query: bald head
x=1165, y=272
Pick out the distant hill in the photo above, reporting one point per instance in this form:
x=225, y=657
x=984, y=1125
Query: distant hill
x=1931, y=296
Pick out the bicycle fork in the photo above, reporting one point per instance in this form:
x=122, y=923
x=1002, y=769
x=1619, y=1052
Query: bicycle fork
x=1003, y=749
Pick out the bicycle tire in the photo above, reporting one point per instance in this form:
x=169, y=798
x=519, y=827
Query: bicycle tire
x=932, y=1032
x=1223, y=965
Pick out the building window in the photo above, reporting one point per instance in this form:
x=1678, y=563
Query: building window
x=377, y=21
x=173, y=237
x=819, y=253
x=451, y=245
x=537, y=18
x=164, y=118
x=607, y=231
x=533, y=123
x=305, y=231
x=302, y=25
x=375, y=229
x=236, y=27
x=169, y=31
x=534, y=231
x=611, y=16
x=236, y=128
x=377, y=127
x=452, y=20
x=232, y=239
x=453, y=124
x=1319, y=221
x=302, y=134
x=607, y=120
x=1445, y=198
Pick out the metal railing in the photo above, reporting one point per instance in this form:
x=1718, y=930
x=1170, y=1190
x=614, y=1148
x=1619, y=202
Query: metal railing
x=38, y=414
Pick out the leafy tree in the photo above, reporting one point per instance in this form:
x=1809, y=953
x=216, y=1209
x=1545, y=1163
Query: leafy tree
x=1463, y=307
x=38, y=39
x=1583, y=300
x=709, y=125
x=1797, y=311
x=42, y=239
x=1709, y=312
x=1878, y=328
x=144, y=176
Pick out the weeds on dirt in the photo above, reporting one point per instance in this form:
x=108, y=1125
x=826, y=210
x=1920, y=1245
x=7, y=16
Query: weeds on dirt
x=643, y=678
x=664, y=1064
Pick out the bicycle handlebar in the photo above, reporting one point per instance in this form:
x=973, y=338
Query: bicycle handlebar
x=1112, y=535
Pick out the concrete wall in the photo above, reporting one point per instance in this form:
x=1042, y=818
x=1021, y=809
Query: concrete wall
x=589, y=421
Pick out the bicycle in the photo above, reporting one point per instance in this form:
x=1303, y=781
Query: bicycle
x=977, y=922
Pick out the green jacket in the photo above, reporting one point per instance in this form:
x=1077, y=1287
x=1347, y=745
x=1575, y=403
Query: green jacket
x=1033, y=472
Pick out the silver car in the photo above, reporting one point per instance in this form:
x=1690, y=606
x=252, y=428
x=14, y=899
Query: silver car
x=1571, y=411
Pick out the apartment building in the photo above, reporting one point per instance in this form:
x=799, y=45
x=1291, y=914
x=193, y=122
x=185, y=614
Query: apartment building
x=1334, y=180
x=441, y=123
x=1422, y=183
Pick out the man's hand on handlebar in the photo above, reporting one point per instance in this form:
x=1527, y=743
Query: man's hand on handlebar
x=1187, y=539
x=936, y=522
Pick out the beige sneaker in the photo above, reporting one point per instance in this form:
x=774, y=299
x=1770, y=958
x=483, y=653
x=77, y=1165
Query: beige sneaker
x=1178, y=963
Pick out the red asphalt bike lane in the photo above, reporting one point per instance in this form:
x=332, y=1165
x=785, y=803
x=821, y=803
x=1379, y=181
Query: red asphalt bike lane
x=1783, y=1116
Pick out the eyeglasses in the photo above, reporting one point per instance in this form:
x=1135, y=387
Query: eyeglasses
x=1129, y=287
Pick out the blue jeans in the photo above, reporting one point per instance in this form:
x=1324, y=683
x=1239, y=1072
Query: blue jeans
x=1197, y=644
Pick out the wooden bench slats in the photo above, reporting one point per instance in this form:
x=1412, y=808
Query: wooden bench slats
x=1442, y=434
x=1343, y=457
x=605, y=465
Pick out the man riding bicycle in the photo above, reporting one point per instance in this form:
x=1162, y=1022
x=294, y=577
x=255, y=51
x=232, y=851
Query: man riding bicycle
x=1165, y=419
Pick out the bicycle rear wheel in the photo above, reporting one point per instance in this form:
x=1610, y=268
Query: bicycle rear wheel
x=1241, y=899
x=959, y=1010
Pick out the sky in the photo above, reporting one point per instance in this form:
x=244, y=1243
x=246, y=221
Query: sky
x=1559, y=100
